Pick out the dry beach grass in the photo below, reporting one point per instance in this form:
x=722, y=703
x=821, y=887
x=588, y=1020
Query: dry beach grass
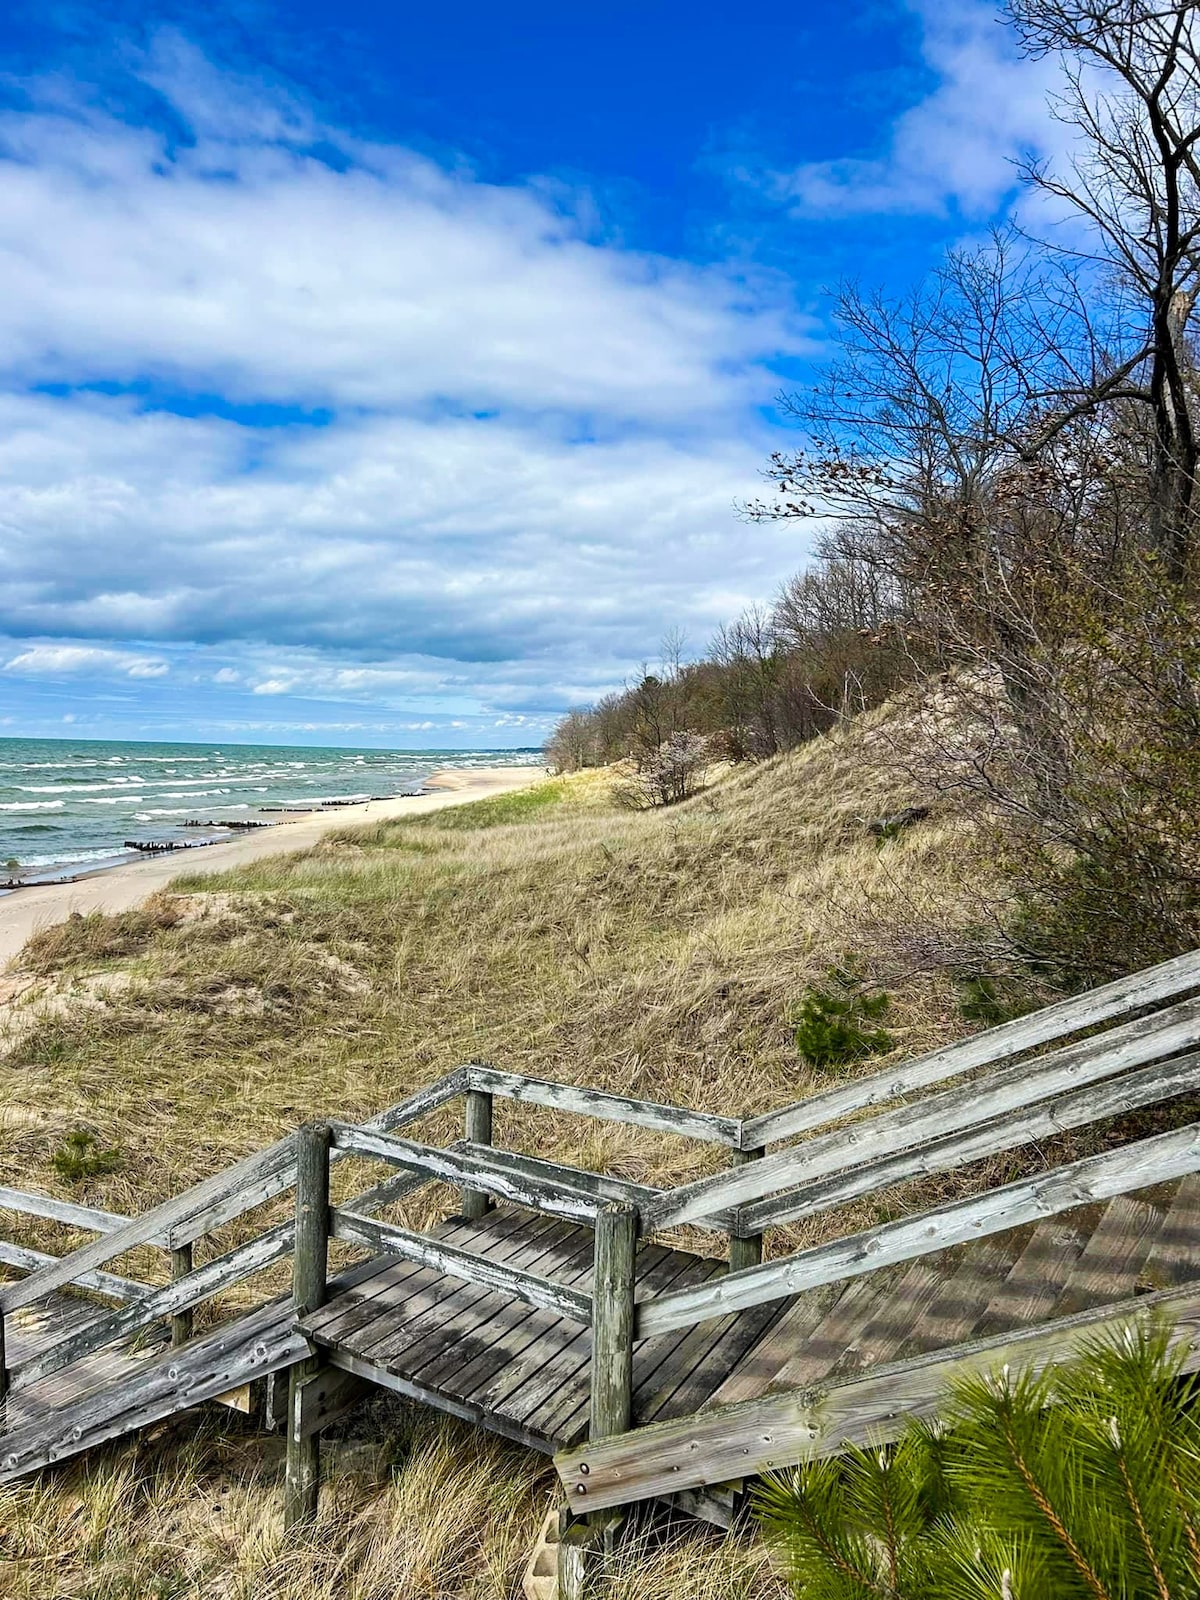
x=546, y=931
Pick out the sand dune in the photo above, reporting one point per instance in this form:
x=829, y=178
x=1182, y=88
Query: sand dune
x=26, y=910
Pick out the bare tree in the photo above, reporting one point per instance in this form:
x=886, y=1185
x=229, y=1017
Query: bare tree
x=1133, y=96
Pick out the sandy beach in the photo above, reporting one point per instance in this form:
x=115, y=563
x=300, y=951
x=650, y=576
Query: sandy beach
x=119, y=888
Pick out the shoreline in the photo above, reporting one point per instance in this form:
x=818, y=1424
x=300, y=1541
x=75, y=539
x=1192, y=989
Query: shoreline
x=124, y=885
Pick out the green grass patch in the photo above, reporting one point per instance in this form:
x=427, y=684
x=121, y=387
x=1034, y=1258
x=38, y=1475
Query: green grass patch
x=497, y=811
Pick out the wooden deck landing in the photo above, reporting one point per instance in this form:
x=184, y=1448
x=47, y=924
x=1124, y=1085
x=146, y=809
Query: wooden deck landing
x=482, y=1355
x=487, y=1357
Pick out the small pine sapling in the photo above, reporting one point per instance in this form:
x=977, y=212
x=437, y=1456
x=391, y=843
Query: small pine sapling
x=1082, y=1483
x=832, y=1024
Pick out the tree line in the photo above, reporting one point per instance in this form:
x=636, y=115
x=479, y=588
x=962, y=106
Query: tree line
x=1001, y=465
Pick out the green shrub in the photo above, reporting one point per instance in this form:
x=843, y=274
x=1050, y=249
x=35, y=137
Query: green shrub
x=1081, y=1484
x=81, y=1157
x=832, y=1024
x=990, y=1001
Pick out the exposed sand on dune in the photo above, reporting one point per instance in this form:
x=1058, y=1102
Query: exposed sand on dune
x=26, y=910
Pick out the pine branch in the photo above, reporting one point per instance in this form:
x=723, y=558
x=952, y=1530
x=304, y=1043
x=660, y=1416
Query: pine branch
x=1135, y=1506
x=1051, y=1516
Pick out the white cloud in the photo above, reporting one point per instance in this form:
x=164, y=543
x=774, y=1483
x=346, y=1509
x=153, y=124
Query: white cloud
x=530, y=441
x=958, y=145
x=56, y=660
x=255, y=269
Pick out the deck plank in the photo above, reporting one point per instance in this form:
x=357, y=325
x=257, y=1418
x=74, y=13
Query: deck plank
x=1174, y=1257
x=475, y=1319
x=1112, y=1260
x=1037, y=1278
x=953, y=1312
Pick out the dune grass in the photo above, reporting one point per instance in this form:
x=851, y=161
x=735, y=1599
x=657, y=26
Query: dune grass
x=657, y=954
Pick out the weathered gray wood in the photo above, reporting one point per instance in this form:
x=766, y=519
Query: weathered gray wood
x=1175, y=1255
x=791, y=1332
x=44, y=1205
x=1076, y=1109
x=1112, y=1259
x=1029, y=1291
x=965, y=1106
x=182, y=1322
x=390, y=1290
x=857, y=1304
x=103, y=1283
x=610, y=1107
x=394, y=1381
x=221, y=1273
x=473, y=1324
x=1178, y=976
x=310, y=1261
x=600, y=1185
x=145, y=1229
x=439, y=1257
x=421, y=1103
x=451, y=1167
x=477, y=1128
x=259, y=1343
x=310, y=1273
x=558, y=1394
x=745, y=1249
x=612, y=1320
x=1102, y=1177
x=780, y=1430
x=327, y=1395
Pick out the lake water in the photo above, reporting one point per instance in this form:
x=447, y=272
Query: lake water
x=69, y=805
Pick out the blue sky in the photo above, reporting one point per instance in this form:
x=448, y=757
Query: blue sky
x=389, y=375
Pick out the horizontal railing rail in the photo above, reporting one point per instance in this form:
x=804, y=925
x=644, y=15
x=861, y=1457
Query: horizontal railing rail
x=108, y=1284
x=189, y=1290
x=1150, y=1086
x=702, y=1125
x=433, y=1253
x=1157, y=1159
x=481, y=1173
x=964, y=1106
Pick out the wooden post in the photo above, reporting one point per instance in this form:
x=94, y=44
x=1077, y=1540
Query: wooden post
x=309, y=1272
x=745, y=1252
x=612, y=1320
x=478, y=1120
x=3, y=1372
x=182, y=1322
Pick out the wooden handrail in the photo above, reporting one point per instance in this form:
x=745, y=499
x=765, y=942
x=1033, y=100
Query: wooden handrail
x=1169, y=980
x=433, y=1253
x=479, y=1172
x=1150, y=1086
x=1154, y=1160
x=599, y=1103
x=964, y=1106
x=234, y=1182
x=104, y=1283
x=200, y=1284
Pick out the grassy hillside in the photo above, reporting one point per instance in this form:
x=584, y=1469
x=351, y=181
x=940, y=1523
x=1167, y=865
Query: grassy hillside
x=544, y=931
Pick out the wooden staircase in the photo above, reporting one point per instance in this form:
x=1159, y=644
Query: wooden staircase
x=544, y=1308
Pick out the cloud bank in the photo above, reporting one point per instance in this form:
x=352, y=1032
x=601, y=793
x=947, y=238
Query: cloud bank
x=335, y=420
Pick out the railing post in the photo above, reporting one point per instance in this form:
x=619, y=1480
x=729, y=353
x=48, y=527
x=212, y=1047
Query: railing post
x=612, y=1320
x=3, y=1373
x=310, y=1264
x=183, y=1322
x=478, y=1129
x=745, y=1252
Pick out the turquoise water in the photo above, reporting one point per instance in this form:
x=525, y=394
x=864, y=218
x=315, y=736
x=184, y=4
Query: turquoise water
x=69, y=805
